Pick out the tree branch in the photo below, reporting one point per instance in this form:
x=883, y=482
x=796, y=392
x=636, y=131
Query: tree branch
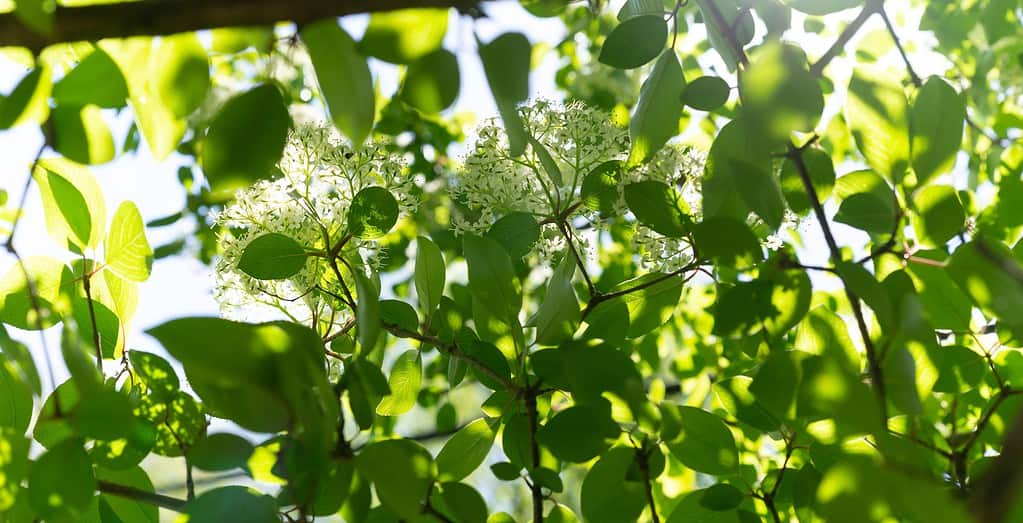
x=534, y=451
x=151, y=498
x=898, y=45
x=162, y=17
x=843, y=38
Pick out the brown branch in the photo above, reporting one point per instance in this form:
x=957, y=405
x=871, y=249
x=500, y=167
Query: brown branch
x=898, y=45
x=162, y=17
x=843, y=38
x=534, y=451
x=150, y=498
x=642, y=457
x=873, y=364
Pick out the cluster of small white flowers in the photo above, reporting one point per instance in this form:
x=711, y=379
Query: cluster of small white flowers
x=776, y=240
x=492, y=184
x=320, y=174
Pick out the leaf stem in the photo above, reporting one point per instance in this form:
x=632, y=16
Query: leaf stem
x=150, y=498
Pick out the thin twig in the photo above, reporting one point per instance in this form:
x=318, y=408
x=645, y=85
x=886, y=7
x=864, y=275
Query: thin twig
x=913, y=77
x=150, y=498
x=843, y=38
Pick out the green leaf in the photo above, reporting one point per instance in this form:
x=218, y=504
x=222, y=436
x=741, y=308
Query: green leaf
x=506, y=471
x=517, y=232
x=13, y=465
x=876, y=112
x=868, y=203
x=936, y=124
x=723, y=21
x=727, y=242
x=232, y=504
x=155, y=372
x=779, y=94
x=37, y=15
x=658, y=110
x=706, y=93
x=558, y=316
x=550, y=166
x=491, y=277
x=105, y=415
x=272, y=256
x=706, y=444
x=607, y=496
x=128, y=253
x=579, y=433
x=245, y=139
x=218, y=452
x=599, y=190
x=431, y=83
x=372, y=213
x=711, y=505
x=404, y=382
x=659, y=207
x=18, y=360
x=634, y=42
x=506, y=63
x=776, y=383
x=990, y=276
x=367, y=311
x=125, y=509
x=16, y=406
x=465, y=451
x=343, y=76
x=17, y=305
x=401, y=471
x=939, y=215
x=72, y=203
x=945, y=304
x=822, y=177
x=402, y=37
x=739, y=178
x=81, y=134
x=634, y=8
x=429, y=274
x=95, y=80
x=61, y=483
x=183, y=76
x=28, y=101
x=651, y=306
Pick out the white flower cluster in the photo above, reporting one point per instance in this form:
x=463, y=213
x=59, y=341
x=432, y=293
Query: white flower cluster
x=320, y=174
x=492, y=184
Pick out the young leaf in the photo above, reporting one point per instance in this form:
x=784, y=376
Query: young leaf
x=81, y=134
x=465, y=451
x=128, y=253
x=492, y=278
x=432, y=82
x=367, y=311
x=183, y=76
x=245, y=139
x=61, y=482
x=876, y=112
x=658, y=206
x=506, y=64
x=404, y=381
x=936, y=124
x=706, y=444
x=402, y=472
x=547, y=161
x=272, y=256
x=402, y=37
x=72, y=203
x=232, y=503
x=635, y=42
x=372, y=213
x=939, y=215
x=599, y=190
x=343, y=76
x=95, y=80
x=606, y=494
x=28, y=101
x=706, y=93
x=658, y=110
x=558, y=316
x=516, y=232
x=429, y=274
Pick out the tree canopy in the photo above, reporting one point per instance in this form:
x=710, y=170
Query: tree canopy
x=733, y=261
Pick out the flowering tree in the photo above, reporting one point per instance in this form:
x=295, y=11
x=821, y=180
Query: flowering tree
x=754, y=266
